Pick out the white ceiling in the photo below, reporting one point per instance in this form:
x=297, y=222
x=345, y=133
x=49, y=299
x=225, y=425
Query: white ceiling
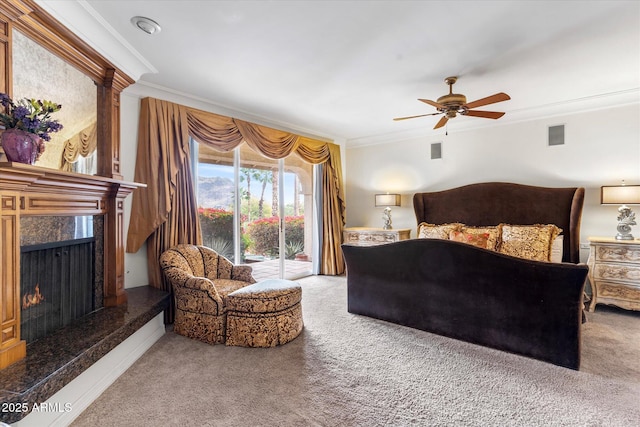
x=343, y=69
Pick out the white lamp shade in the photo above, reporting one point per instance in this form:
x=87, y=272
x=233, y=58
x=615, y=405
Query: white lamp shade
x=620, y=195
x=387, y=200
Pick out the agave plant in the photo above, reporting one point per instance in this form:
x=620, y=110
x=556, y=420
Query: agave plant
x=221, y=246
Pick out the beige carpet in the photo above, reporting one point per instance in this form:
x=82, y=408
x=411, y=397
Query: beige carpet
x=349, y=370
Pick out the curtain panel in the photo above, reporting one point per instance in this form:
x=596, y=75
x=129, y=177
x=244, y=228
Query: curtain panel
x=164, y=213
x=82, y=144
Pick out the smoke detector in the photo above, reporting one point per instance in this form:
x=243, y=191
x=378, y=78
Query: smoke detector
x=147, y=25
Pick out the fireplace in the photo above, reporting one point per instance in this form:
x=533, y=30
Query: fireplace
x=31, y=193
x=57, y=285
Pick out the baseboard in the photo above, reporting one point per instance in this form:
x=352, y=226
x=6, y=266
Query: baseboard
x=68, y=403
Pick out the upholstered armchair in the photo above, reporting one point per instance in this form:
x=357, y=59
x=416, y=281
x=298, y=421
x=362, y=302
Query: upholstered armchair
x=201, y=279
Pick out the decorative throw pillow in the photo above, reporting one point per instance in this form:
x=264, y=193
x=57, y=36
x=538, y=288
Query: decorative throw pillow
x=528, y=241
x=433, y=231
x=492, y=232
x=480, y=240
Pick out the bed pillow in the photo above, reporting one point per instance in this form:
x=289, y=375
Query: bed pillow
x=492, y=232
x=433, y=231
x=480, y=240
x=528, y=241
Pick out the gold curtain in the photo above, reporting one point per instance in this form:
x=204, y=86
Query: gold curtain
x=163, y=215
x=81, y=144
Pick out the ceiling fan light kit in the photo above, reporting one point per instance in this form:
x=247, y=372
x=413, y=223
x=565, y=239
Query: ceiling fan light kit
x=453, y=104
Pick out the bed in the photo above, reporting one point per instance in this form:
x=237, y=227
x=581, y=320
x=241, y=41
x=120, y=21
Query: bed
x=528, y=307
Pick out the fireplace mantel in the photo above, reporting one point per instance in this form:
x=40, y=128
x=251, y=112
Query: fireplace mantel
x=45, y=191
x=27, y=190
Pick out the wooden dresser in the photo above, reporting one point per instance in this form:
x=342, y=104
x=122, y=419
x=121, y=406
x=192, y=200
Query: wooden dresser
x=363, y=236
x=614, y=272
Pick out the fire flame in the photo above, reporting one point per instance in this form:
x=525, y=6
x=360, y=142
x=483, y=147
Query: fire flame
x=29, y=300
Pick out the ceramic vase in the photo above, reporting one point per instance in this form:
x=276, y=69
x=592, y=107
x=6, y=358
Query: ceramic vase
x=21, y=146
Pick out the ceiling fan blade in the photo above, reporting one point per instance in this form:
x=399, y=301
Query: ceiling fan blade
x=413, y=117
x=498, y=97
x=484, y=114
x=442, y=122
x=433, y=103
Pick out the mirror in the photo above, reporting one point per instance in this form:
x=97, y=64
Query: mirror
x=39, y=74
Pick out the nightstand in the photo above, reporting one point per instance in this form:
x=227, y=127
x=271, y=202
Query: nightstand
x=363, y=236
x=614, y=272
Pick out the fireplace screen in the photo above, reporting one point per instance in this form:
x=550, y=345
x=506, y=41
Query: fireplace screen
x=57, y=285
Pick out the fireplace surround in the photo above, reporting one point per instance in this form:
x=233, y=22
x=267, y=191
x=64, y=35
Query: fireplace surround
x=26, y=191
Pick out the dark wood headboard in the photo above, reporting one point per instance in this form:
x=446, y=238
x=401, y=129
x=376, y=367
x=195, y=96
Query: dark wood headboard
x=492, y=203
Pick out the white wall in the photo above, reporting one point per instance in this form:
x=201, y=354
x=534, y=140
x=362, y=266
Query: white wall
x=601, y=148
x=135, y=265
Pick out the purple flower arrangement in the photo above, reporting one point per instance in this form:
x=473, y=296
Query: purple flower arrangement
x=30, y=115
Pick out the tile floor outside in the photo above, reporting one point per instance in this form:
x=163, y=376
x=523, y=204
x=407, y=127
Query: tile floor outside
x=271, y=269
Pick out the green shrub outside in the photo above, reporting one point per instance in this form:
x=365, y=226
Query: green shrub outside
x=261, y=236
x=217, y=231
x=265, y=239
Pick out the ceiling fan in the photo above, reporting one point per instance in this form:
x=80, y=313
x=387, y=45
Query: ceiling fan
x=453, y=104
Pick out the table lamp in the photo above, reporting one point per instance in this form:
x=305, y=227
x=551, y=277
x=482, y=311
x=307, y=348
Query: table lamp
x=387, y=200
x=622, y=195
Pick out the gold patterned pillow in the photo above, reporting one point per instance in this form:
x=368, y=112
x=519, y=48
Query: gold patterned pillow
x=492, y=232
x=433, y=231
x=528, y=241
x=480, y=240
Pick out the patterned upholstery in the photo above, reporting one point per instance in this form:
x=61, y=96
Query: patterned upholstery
x=529, y=241
x=266, y=314
x=201, y=279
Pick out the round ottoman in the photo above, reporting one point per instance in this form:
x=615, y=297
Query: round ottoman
x=265, y=314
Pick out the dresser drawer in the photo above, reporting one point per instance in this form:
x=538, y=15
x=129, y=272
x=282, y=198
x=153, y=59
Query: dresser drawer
x=618, y=253
x=618, y=291
x=612, y=271
x=365, y=239
x=362, y=236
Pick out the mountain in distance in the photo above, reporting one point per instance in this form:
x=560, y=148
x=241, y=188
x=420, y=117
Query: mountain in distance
x=215, y=192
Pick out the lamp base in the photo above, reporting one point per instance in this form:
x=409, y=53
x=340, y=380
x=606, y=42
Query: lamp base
x=386, y=215
x=624, y=236
x=626, y=219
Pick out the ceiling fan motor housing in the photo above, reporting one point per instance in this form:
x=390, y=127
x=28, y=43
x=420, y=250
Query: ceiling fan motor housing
x=452, y=100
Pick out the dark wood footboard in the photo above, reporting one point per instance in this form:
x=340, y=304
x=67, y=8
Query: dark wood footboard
x=525, y=307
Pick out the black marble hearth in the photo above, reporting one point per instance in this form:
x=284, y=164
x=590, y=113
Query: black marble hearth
x=55, y=360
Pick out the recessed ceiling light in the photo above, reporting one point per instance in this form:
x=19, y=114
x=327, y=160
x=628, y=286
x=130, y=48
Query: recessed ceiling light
x=147, y=25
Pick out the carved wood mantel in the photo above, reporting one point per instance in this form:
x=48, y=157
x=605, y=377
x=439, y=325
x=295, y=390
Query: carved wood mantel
x=31, y=190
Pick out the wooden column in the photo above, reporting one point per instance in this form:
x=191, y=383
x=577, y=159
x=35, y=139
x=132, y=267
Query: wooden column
x=12, y=348
x=109, y=166
x=114, y=292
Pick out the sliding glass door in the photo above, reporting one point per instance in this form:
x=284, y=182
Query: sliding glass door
x=257, y=210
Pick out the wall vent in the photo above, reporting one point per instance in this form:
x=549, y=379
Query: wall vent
x=436, y=150
x=556, y=135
